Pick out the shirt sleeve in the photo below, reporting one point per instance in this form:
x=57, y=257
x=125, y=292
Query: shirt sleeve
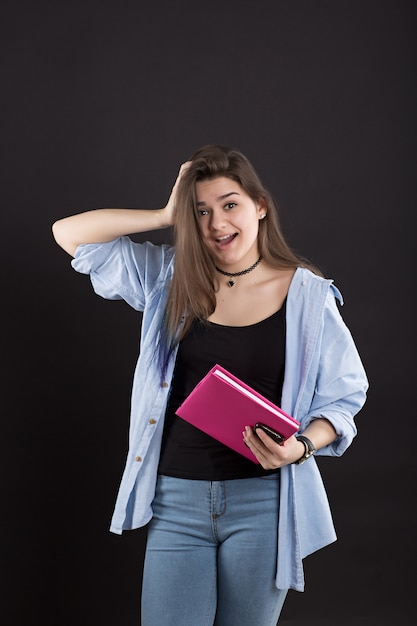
x=341, y=385
x=125, y=270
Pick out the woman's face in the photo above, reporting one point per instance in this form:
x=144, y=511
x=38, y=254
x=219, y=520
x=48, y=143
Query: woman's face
x=229, y=222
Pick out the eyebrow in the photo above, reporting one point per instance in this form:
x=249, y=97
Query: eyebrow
x=220, y=198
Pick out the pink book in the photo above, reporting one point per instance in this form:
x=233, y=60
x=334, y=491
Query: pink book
x=222, y=405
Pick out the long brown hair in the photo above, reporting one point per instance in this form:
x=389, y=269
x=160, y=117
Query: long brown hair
x=193, y=287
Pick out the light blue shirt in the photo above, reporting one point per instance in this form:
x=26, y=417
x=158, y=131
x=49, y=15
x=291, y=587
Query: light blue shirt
x=324, y=377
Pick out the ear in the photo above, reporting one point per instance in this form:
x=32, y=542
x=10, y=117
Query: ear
x=261, y=208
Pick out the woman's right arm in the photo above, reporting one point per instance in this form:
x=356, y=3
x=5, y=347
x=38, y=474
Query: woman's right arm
x=102, y=225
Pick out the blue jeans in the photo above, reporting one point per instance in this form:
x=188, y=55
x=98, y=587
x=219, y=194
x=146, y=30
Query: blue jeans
x=211, y=554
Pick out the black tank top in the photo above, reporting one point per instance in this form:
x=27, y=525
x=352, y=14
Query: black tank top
x=255, y=354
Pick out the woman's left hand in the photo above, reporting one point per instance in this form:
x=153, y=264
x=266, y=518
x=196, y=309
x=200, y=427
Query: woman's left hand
x=272, y=455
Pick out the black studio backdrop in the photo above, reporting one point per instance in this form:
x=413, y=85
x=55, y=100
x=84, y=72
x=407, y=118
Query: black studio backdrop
x=101, y=102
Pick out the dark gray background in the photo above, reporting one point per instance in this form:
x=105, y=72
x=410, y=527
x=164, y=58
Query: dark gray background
x=101, y=102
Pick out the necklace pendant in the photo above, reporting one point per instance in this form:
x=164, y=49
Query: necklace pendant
x=230, y=283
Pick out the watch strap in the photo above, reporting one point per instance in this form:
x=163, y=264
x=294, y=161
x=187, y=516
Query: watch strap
x=309, y=448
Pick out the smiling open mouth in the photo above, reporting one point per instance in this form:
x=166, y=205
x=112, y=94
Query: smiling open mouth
x=226, y=238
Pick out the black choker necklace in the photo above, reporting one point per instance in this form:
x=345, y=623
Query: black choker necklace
x=233, y=274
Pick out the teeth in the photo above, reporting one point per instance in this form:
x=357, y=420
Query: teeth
x=224, y=238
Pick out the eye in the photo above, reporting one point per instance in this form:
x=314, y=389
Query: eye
x=230, y=205
x=202, y=212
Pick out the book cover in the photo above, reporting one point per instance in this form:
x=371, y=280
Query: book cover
x=222, y=405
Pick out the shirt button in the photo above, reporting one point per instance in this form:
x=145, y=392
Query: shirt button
x=138, y=458
x=152, y=421
x=304, y=283
x=164, y=384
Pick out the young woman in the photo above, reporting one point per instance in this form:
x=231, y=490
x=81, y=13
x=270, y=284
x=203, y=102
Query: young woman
x=226, y=536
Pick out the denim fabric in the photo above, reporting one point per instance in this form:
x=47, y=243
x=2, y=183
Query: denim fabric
x=211, y=554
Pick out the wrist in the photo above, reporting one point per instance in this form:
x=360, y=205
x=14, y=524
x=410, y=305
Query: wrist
x=302, y=447
x=166, y=216
x=309, y=449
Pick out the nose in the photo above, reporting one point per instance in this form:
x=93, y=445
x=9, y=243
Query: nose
x=217, y=219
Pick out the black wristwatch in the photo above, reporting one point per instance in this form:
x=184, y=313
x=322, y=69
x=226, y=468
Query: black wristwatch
x=309, y=449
